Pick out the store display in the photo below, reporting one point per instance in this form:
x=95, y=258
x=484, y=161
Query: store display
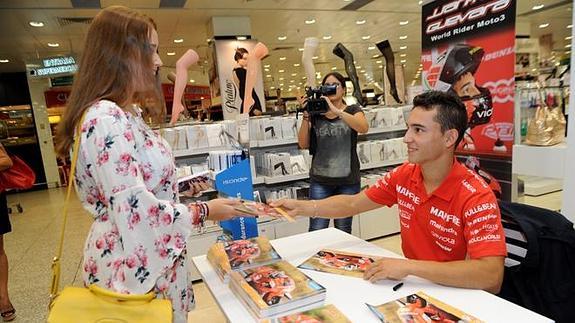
x=189, y=58
x=419, y=307
x=385, y=49
x=324, y=314
x=340, y=51
x=194, y=185
x=547, y=128
x=339, y=262
x=227, y=256
x=309, y=47
x=275, y=289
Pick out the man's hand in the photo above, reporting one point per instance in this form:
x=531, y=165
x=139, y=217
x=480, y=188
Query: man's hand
x=386, y=268
x=292, y=207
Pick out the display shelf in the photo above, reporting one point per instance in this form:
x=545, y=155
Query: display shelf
x=272, y=142
x=285, y=178
x=196, y=152
x=258, y=180
x=373, y=131
x=539, y=161
x=382, y=164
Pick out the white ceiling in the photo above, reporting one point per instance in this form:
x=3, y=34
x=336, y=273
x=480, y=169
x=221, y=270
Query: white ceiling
x=19, y=42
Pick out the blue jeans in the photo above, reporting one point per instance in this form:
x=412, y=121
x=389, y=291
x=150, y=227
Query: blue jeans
x=320, y=191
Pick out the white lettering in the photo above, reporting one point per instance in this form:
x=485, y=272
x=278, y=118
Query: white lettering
x=442, y=228
x=405, y=204
x=469, y=186
x=479, y=208
x=491, y=21
x=404, y=191
x=460, y=18
x=445, y=216
x=489, y=237
x=235, y=180
x=443, y=247
x=404, y=214
x=482, y=219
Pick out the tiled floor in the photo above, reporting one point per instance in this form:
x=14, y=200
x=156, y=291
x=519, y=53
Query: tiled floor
x=32, y=243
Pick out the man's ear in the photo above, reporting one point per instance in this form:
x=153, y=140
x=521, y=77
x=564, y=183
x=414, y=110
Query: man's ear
x=450, y=137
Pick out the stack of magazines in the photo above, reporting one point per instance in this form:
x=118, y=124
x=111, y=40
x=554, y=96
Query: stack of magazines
x=227, y=256
x=276, y=289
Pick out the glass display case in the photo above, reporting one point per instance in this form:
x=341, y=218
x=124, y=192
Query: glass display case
x=17, y=126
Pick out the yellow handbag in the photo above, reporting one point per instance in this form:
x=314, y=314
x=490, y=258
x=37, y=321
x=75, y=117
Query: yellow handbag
x=96, y=304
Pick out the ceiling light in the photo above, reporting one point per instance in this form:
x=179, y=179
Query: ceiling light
x=267, y=65
x=281, y=84
x=309, y=22
x=403, y=37
x=53, y=45
x=402, y=55
x=545, y=25
x=358, y=67
x=420, y=2
x=315, y=57
x=378, y=62
x=403, y=23
x=568, y=46
x=4, y=60
x=293, y=74
x=362, y=71
x=334, y=68
x=537, y=7
x=281, y=78
x=281, y=71
x=403, y=61
x=241, y=38
x=268, y=75
x=179, y=40
x=282, y=37
x=292, y=81
x=36, y=24
x=282, y=58
x=266, y=69
x=272, y=87
x=375, y=56
x=192, y=81
x=380, y=66
x=300, y=49
x=327, y=37
x=171, y=53
x=371, y=48
x=534, y=70
x=402, y=47
x=360, y=22
x=569, y=26
x=568, y=38
x=296, y=64
x=366, y=37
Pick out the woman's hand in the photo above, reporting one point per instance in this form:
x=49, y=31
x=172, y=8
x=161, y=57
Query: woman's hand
x=223, y=209
x=332, y=107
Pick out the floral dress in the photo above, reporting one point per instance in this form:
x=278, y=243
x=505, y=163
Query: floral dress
x=126, y=179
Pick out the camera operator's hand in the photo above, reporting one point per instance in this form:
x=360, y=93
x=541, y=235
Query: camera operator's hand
x=302, y=100
x=332, y=107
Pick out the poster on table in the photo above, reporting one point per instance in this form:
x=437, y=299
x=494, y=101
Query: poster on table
x=468, y=50
x=228, y=76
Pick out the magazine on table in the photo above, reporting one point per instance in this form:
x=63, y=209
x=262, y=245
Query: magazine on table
x=324, y=314
x=275, y=289
x=339, y=262
x=226, y=256
x=419, y=307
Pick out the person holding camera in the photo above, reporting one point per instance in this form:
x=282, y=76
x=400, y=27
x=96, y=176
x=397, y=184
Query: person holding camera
x=331, y=137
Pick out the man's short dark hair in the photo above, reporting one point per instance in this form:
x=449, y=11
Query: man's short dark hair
x=451, y=112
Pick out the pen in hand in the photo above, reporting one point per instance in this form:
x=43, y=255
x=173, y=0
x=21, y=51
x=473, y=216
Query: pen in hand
x=398, y=286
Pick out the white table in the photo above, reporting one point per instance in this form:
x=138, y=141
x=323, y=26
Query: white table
x=350, y=294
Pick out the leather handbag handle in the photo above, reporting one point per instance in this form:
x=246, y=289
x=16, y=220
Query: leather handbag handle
x=117, y=297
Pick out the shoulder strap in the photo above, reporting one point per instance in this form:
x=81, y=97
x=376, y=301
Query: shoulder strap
x=56, y=261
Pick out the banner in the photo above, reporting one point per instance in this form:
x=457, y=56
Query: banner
x=228, y=76
x=468, y=48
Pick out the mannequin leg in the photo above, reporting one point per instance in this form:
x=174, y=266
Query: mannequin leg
x=258, y=53
x=385, y=49
x=340, y=51
x=189, y=58
x=309, y=48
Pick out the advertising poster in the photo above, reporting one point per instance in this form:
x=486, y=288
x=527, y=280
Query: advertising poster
x=468, y=48
x=230, y=61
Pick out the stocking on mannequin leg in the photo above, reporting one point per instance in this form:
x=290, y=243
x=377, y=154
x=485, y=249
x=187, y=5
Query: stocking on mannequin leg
x=188, y=59
x=340, y=51
x=258, y=53
x=309, y=48
x=385, y=49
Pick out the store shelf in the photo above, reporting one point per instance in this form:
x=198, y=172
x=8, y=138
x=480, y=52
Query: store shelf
x=285, y=178
x=539, y=161
x=382, y=164
x=196, y=152
x=373, y=131
x=258, y=180
x=272, y=143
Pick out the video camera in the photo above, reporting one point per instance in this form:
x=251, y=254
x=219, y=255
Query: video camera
x=315, y=104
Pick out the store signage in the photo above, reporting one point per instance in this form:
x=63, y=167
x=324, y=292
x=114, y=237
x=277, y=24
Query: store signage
x=57, y=65
x=468, y=48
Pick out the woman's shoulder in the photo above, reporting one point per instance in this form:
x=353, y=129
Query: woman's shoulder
x=105, y=108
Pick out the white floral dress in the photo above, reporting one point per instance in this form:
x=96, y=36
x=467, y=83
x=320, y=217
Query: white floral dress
x=126, y=179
